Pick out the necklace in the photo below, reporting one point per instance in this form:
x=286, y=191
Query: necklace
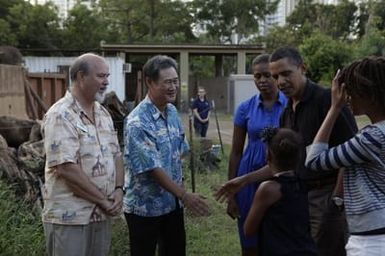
x=285, y=173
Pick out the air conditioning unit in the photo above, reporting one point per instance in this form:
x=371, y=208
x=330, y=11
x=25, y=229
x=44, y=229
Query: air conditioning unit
x=127, y=67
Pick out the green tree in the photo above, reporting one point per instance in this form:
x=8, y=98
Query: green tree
x=84, y=28
x=149, y=21
x=6, y=35
x=223, y=19
x=372, y=41
x=337, y=21
x=281, y=36
x=35, y=26
x=5, y=5
x=323, y=56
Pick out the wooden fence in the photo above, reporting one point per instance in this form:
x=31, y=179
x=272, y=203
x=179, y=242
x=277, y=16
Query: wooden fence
x=30, y=95
x=12, y=97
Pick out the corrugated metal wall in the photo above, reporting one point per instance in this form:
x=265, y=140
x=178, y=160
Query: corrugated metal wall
x=54, y=64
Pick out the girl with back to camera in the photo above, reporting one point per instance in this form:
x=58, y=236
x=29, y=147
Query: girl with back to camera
x=362, y=86
x=279, y=213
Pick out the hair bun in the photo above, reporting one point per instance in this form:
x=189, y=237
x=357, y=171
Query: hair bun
x=268, y=133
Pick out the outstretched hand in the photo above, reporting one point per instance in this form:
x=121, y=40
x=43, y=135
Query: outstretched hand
x=196, y=203
x=227, y=190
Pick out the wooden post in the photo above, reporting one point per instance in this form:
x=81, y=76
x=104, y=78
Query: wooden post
x=218, y=129
x=192, y=152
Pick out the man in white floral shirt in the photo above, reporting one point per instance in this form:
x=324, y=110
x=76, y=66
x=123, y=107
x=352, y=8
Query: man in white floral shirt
x=154, y=144
x=84, y=171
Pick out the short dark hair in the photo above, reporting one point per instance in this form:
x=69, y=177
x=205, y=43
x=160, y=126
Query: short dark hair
x=285, y=148
x=155, y=64
x=262, y=58
x=287, y=52
x=366, y=77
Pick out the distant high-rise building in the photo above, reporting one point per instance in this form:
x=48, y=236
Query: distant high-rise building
x=284, y=9
x=64, y=6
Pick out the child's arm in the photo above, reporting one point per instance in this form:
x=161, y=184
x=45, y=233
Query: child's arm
x=267, y=194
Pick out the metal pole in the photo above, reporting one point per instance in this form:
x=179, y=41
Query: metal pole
x=192, y=152
x=218, y=129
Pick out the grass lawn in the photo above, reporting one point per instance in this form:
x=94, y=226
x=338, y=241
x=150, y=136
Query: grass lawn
x=213, y=235
x=21, y=231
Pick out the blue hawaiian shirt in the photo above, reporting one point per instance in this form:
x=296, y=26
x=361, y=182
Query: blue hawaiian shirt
x=152, y=140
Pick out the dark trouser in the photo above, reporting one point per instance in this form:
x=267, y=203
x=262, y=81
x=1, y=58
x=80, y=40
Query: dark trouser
x=167, y=231
x=201, y=128
x=328, y=224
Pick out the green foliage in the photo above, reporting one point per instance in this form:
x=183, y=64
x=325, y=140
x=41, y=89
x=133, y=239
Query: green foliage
x=149, y=21
x=83, y=21
x=21, y=230
x=323, y=56
x=283, y=36
x=337, y=21
x=35, y=26
x=6, y=36
x=372, y=43
x=221, y=19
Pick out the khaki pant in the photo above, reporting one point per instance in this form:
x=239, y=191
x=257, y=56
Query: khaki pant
x=93, y=239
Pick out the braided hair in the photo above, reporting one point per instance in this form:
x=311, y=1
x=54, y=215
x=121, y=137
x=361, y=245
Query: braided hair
x=366, y=78
x=284, y=147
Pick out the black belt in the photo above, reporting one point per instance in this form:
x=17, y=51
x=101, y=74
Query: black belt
x=321, y=183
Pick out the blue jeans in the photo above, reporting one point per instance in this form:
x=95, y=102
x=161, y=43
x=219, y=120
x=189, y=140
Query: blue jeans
x=201, y=128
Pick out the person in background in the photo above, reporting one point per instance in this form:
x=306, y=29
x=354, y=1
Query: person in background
x=252, y=116
x=201, y=111
x=84, y=175
x=306, y=109
x=154, y=145
x=280, y=211
x=361, y=85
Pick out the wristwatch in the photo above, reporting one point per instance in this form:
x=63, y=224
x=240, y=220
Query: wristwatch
x=122, y=188
x=339, y=202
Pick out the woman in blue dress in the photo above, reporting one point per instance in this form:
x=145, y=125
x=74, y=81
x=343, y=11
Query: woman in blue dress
x=252, y=116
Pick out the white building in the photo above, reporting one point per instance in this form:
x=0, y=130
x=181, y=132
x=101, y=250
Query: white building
x=284, y=9
x=64, y=6
x=56, y=64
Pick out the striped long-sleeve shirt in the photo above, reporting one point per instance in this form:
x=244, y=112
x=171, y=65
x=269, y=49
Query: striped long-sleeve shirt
x=364, y=178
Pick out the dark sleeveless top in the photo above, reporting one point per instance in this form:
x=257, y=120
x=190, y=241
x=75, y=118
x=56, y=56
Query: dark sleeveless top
x=285, y=228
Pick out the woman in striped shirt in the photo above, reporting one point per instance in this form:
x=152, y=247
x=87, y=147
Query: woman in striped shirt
x=362, y=86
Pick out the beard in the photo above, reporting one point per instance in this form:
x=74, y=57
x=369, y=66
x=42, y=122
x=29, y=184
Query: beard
x=100, y=96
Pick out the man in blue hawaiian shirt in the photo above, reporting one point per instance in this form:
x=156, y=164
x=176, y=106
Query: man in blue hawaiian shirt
x=154, y=144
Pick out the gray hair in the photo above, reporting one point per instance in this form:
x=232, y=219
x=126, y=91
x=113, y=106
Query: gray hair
x=81, y=63
x=157, y=63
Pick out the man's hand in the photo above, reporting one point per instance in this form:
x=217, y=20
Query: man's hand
x=232, y=209
x=116, y=198
x=196, y=204
x=106, y=205
x=227, y=190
